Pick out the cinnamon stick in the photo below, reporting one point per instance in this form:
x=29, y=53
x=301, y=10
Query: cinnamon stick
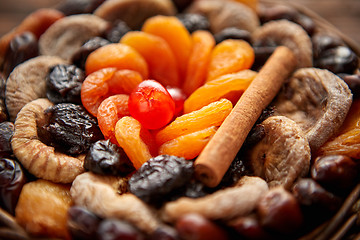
x=215, y=159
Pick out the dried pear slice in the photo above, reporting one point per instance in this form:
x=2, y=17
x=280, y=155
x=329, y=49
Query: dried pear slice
x=68, y=34
x=224, y=14
x=39, y=159
x=289, y=34
x=27, y=82
x=134, y=12
x=317, y=100
x=283, y=154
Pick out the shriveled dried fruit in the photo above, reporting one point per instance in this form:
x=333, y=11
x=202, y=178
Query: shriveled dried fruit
x=6, y=133
x=27, y=82
x=289, y=34
x=71, y=128
x=117, y=30
x=317, y=100
x=106, y=158
x=67, y=35
x=160, y=176
x=194, y=22
x=232, y=33
x=283, y=154
x=100, y=194
x=38, y=158
x=37, y=216
x=3, y=111
x=113, y=228
x=71, y=7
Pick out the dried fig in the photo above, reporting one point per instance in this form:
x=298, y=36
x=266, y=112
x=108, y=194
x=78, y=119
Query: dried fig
x=27, y=82
x=317, y=100
x=289, y=34
x=134, y=12
x=225, y=14
x=283, y=154
x=38, y=158
x=67, y=35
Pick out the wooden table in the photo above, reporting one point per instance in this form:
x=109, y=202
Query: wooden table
x=344, y=14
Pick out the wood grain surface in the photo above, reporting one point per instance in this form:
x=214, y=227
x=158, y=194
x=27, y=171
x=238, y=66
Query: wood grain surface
x=343, y=14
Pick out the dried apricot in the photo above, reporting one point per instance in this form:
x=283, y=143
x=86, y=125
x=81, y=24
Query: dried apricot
x=158, y=55
x=109, y=112
x=189, y=145
x=250, y=3
x=106, y=82
x=175, y=34
x=203, y=44
x=347, y=141
x=134, y=139
x=230, y=56
x=211, y=115
x=234, y=83
x=116, y=55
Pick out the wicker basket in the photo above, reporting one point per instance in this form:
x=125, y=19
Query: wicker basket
x=338, y=227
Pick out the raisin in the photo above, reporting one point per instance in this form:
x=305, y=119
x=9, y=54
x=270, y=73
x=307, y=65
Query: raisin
x=71, y=128
x=107, y=158
x=71, y=7
x=236, y=170
x=112, y=229
x=262, y=54
x=21, y=48
x=159, y=176
x=232, y=33
x=12, y=179
x=322, y=42
x=117, y=31
x=6, y=132
x=4, y=116
x=80, y=56
x=192, y=189
x=194, y=22
x=63, y=84
x=82, y=223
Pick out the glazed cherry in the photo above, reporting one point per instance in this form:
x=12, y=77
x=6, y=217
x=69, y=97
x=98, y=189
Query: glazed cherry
x=179, y=98
x=151, y=104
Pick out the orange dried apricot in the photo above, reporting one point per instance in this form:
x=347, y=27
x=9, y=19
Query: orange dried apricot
x=347, y=141
x=250, y=3
x=106, y=82
x=175, y=34
x=211, y=115
x=116, y=55
x=203, y=44
x=230, y=56
x=158, y=55
x=235, y=83
x=109, y=112
x=189, y=145
x=134, y=139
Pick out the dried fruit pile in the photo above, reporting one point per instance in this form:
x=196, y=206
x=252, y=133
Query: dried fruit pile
x=106, y=108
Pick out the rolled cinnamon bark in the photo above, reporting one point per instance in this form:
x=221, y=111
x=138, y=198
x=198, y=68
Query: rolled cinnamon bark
x=215, y=159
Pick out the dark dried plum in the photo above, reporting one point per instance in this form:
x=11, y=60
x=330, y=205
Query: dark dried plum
x=353, y=81
x=82, y=223
x=340, y=59
x=164, y=232
x=117, y=31
x=12, y=179
x=182, y=4
x=236, y=170
x=63, y=84
x=80, y=56
x=192, y=189
x=21, y=48
x=322, y=42
x=107, y=158
x=4, y=116
x=194, y=21
x=159, y=176
x=232, y=33
x=71, y=7
x=113, y=229
x=6, y=133
x=71, y=128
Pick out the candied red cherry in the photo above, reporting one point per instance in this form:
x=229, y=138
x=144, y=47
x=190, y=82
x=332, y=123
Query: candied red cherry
x=179, y=98
x=151, y=104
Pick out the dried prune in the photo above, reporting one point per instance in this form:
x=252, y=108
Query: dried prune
x=112, y=229
x=164, y=232
x=82, y=223
x=182, y=4
x=71, y=128
x=6, y=132
x=117, y=31
x=63, y=84
x=21, y=48
x=3, y=111
x=192, y=189
x=107, y=158
x=232, y=33
x=236, y=170
x=71, y=7
x=322, y=42
x=353, y=81
x=194, y=21
x=80, y=56
x=12, y=179
x=159, y=176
